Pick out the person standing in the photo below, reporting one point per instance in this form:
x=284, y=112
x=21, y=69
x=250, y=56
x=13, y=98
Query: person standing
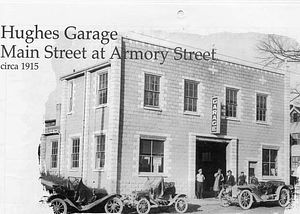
x=230, y=178
x=219, y=178
x=242, y=179
x=200, y=179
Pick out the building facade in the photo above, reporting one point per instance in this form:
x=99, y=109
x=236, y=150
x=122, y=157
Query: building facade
x=295, y=138
x=126, y=120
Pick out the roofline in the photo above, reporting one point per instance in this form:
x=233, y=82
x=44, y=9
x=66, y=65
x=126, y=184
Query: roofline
x=220, y=60
x=82, y=71
x=294, y=108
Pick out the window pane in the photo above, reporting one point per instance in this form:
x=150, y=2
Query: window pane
x=158, y=148
x=145, y=147
x=145, y=164
x=266, y=169
x=273, y=155
x=266, y=155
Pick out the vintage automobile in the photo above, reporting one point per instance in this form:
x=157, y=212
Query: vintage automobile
x=156, y=193
x=246, y=195
x=77, y=197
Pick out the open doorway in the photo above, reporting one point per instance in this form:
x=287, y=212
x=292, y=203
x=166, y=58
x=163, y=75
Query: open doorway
x=209, y=157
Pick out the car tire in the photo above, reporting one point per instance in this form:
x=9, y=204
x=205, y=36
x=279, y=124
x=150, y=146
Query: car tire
x=222, y=199
x=181, y=205
x=245, y=199
x=143, y=206
x=284, y=197
x=113, y=205
x=59, y=206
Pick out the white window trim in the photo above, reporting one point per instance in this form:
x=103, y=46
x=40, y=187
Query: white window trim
x=198, y=112
x=99, y=169
x=152, y=137
x=96, y=88
x=160, y=104
x=239, y=102
x=73, y=97
x=267, y=122
x=71, y=137
x=272, y=147
x=57, y=161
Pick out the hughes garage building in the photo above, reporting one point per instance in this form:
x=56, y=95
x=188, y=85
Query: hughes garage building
x=125, y=120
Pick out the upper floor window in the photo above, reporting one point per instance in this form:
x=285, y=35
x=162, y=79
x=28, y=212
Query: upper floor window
x=152, y=87
x=54, y=153
x=71, y=96
x=75, y=152
x=261, y=107
x=100, y=151
x=269, y=162
x=190, y=95
x=102, y=88
x=151, y=156
x=231, y=102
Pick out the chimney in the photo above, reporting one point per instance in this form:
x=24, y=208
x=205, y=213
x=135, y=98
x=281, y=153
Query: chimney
x=58, y=112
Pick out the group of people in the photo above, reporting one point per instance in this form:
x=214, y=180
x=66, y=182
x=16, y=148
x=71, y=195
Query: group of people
x=219, y=180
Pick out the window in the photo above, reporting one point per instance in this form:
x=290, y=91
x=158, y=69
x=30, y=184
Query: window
x=261, y=107
x=151, y=96
x=231, y=102
x=71, y=94
x=54, y=152
x=295, y=160
x=75, y=152
x=151, y=156
x=100, y=152
x=102, y=88
x=269, y=164
x=190, y=95
x=295, y=117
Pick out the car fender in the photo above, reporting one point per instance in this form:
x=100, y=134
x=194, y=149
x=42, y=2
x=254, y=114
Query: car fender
x=279, y=189
x=61, y=196
x=179, y=196
x=252, y=190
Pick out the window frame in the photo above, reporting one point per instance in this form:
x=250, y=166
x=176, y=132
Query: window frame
x=100, y=137
x=269, y=162
x=234, y=105
x=151, y=155
x=74, y=153
x=102, y=85
x=157, y=78
x=54, y=155
x=189, y=97
x=261, y=116
x=70, y=96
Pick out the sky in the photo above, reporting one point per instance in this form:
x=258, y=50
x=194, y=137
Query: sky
x=23, y=93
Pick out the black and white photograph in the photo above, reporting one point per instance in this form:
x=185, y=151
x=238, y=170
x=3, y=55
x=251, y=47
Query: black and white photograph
x=149, y=107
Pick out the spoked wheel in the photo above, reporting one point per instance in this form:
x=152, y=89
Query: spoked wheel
x=284, y=198
x=181, y=205
x=223, y=199
x=59, y=206
x=113, y=205
x=245, y=199
x=143, y=206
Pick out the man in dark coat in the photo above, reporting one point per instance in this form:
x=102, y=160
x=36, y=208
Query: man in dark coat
x=230, y=178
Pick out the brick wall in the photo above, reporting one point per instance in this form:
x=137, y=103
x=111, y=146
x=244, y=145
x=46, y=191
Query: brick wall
x=171, y=121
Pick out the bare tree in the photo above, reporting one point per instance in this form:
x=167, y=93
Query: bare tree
x=275, y=50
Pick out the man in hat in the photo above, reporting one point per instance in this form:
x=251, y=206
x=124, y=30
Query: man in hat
x=200, y=179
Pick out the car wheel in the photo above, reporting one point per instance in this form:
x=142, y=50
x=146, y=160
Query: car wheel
x=58, y=206
x=143, y=206
x=245, y=199
x=181, y=205
x=284, y=197
x=223, y=199
x=113, y=205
